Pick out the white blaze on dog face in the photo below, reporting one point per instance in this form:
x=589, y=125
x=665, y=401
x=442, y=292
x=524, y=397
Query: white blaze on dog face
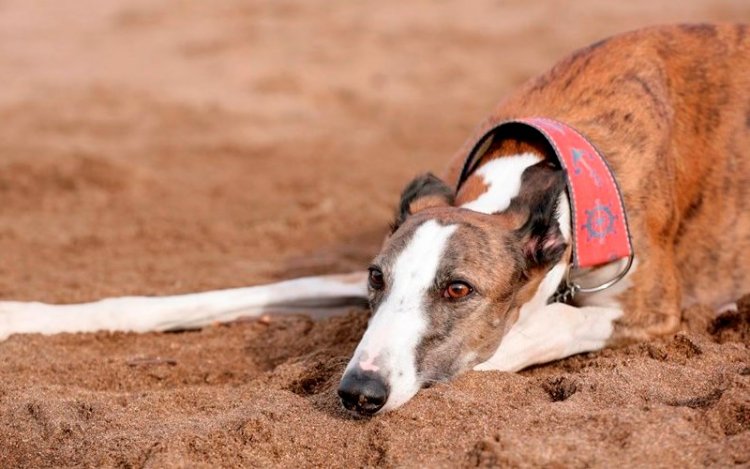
x=419, y=334
x=447, y=286
x=399, y=320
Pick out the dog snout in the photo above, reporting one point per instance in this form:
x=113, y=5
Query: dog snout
x=364, y=393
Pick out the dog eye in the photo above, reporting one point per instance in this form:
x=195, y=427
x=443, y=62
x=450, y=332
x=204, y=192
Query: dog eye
x=376, y=280
x=457, y=290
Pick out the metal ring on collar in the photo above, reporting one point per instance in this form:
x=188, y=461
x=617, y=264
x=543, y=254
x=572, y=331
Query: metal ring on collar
x=576, y=288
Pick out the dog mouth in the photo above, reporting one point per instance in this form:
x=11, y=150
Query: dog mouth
x=365, y=393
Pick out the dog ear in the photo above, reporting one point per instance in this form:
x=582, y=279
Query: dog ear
x=424, y=191
x=542, y=242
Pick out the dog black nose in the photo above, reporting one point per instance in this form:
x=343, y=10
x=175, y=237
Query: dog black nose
x=364, y=393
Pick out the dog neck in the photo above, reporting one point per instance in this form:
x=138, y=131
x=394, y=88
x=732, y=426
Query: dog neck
x=497, y=176
x=491, y=188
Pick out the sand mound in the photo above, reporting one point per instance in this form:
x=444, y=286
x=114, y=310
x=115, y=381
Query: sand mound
x=264, y=393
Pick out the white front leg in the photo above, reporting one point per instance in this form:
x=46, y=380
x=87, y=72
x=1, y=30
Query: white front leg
x=550, y=333
x=190, y=311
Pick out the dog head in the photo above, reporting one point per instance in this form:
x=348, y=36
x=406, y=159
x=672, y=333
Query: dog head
x=449, y=283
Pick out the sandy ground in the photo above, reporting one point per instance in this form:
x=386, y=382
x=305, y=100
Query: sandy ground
x=156, y=147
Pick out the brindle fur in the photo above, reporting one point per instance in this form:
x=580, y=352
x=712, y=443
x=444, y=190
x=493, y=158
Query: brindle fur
x=670, y=109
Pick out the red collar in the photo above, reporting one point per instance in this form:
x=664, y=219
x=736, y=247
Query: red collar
x=600, y=226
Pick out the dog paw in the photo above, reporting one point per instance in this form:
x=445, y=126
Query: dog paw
x=19, y=317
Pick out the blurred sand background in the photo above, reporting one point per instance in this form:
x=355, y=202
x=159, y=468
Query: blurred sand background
x=157, y=147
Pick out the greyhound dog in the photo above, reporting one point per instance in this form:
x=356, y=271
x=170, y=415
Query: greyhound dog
x=484, y=268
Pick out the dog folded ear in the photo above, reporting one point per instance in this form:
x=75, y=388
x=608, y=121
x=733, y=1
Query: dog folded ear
x=542, y=242
x=424, y=191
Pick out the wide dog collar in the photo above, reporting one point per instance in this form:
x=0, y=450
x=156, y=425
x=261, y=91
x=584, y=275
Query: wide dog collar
x=599, y=223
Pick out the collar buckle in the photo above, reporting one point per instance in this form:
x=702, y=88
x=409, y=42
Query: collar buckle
x=569, y=288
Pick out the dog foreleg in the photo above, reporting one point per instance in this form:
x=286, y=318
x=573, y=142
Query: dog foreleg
x=190, y=311
x=550, y=333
